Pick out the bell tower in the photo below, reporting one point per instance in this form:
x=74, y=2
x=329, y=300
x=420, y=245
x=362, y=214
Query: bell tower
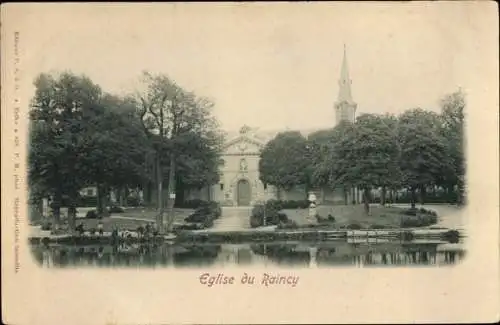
x=345, y=107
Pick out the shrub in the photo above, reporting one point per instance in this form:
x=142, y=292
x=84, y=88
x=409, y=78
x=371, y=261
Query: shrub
x=289, y=224
x=46, y=225
x=270, y=211
x=452, y=236
x=116, y=209
x=287, y=204
x=133, y=201
x=205, y=214
x=255, y=221
x=429, y=212
x=410, y=212
x=331, y=218
x=377, y=226
x=354, y=226
x=422, y=220
x=92, y=214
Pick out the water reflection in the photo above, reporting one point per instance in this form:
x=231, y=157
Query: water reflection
x=324, y=254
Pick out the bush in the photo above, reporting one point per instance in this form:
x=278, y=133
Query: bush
x=133, y=201
x=116, y=209
x=255, y=221
x=354, y=226
x=289, y=224
x=270, y=211
x=331, y=218
x=429, y=212
x=46, y=225
x=377, y=226
x=92, y=214
x=288, y=204
x=410, y=212
x=452, y=236
x=422, y=220
x=205, y=214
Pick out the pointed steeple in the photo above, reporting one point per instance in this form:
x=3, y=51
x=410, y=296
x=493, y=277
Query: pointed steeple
x=345, y=107
x=345, y=82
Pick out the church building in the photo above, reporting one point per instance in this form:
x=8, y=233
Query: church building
x=239, y=183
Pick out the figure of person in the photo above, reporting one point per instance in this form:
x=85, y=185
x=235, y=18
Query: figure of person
x=100, y=228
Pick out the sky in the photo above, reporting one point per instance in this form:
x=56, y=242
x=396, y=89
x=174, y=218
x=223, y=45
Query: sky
x=270, y=66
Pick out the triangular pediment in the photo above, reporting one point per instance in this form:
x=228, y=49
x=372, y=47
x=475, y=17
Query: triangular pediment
x=243, y=144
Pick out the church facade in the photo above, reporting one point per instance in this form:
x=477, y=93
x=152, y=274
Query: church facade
x=239, y=182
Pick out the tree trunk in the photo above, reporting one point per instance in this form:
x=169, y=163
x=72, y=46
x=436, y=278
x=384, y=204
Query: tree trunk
x=101, y=200
x=422, y=194
x=72, y=214
x=56, y=209
x=353, y=194
x=382, y=196
x=179, y=193
x=121, y=193
x=412, y=197
x=278, y=192
x=346, y=196
x=366, y=200
x=391, y=196
x=171, y=191
x=159, y=183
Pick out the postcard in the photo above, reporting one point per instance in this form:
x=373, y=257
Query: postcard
x=250, y=163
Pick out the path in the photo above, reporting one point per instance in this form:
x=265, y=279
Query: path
x=233, y=218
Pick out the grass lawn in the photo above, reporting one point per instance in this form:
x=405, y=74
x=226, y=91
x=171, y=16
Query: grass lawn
x=388, y=217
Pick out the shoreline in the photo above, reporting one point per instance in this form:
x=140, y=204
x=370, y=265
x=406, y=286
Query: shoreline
x=205, y=236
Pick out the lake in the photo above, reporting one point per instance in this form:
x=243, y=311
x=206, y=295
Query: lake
x=276, y=254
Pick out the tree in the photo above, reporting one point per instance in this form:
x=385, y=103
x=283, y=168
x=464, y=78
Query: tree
x=422, y=150
x=284, y=161
x=319, y=144
x=452, y=130
x=325, y=157
x=198, y=161
x=392, y=180
x=367, y=155
x=115, y=148
x=171, y=116
x=61, y=107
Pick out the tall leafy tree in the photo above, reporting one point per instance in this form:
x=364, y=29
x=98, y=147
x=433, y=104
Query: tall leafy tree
x=319, y=144
x=61, y=107
x=171, y=118
x=423, y=150
x=115, y=148
x=284, y=161
x=452, y=115
x=367, y=155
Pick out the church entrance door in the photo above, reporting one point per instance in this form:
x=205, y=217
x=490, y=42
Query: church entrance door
x=243, y=192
